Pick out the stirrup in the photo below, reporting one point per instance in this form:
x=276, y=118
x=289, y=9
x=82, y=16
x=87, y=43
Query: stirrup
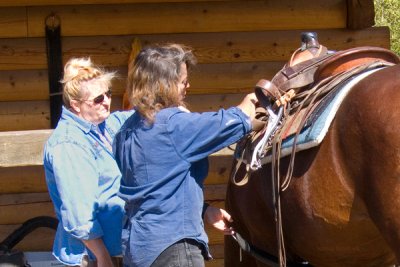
x=259, y=153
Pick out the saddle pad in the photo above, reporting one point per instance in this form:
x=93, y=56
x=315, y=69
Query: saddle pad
x=315, y=130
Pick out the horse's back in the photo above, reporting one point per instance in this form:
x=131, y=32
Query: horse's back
x=341, y=208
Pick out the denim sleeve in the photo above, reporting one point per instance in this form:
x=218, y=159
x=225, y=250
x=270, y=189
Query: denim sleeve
x=118, y=118
x=197, y=135
x=76, y=180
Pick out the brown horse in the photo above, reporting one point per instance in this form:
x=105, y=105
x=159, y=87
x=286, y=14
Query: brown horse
x=342, y=207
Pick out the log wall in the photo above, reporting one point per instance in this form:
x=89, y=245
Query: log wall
x=236, y=42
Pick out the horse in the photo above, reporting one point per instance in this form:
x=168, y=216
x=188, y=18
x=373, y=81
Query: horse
x=341, y=208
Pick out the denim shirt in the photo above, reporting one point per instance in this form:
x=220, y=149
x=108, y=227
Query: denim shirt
x=163, y=168
x=83, y=180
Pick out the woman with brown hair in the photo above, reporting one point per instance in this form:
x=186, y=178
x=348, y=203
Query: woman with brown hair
x=162, y=152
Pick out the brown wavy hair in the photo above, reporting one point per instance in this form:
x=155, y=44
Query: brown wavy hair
x=154, y=76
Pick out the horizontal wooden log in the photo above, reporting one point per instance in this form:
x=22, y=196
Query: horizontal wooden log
x=27, y=85
x=25, y=148
x=151, y=18
x=360, y=14
x=13, y=22
x=22, y=148
x=20, y=207
x=7, y=200
x=217, y=251
x=42, y=239
x=255, y=46
x=88, y=2
x=24, y=115
x=215, y=263
x=31, y=115
x=34, y=115
x=28, y=179
x=14, y=214
x=215, y=192
x=44, y=236
x=18, y=185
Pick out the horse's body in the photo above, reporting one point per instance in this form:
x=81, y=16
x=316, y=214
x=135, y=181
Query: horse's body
x=342, y=207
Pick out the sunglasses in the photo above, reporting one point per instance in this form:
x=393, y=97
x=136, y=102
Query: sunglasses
x=100, y=98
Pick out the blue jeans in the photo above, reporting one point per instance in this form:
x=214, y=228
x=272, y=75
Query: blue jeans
x=184, y=253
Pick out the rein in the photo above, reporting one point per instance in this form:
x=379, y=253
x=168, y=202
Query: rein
x=261, y=255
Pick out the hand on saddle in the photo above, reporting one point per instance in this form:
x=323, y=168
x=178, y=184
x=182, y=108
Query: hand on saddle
x=248, y=105
x=219, y=219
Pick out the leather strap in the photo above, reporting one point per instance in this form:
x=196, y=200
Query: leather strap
x=54, y=66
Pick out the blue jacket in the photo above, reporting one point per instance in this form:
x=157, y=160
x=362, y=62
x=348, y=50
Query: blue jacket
x=83, y=180
x=163, y=168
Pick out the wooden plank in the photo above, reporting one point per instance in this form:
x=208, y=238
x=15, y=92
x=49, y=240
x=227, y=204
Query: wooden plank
x=31, y=115
x=23, y=198
x=219, y=169
x=215, y=263
x=16, y=208
x=22, y=53
x=212, y=102
x=210, y=48
x=151, y=18
x=13, y=22
x=217, y=251
x=32, y=180
x=88, y=2
x=215, y=192
x=14, y=214
x=30, y=143
x=34, y=115
x=41, y=239
x=212, y=192
x=26, y=85
x=28, y=179
x=360, y=14
x=24, y=115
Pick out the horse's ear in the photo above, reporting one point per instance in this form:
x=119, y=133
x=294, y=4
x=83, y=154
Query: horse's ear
x=135, y=49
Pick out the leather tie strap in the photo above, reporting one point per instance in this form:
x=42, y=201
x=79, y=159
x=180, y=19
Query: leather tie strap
x=54, y=66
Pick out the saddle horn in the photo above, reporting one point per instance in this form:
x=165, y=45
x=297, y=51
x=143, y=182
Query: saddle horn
x=310, y=48
x=309, y=40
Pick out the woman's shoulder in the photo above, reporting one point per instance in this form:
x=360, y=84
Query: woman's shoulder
x=119, y=117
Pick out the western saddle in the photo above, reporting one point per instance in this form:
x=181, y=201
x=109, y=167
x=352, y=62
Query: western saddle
x=294, y=92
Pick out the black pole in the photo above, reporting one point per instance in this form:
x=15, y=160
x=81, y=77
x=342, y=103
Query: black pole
x=54, y=66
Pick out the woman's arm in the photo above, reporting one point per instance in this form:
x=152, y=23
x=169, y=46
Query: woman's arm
x=97, y=247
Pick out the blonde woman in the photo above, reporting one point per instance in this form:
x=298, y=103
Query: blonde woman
x=81, y=173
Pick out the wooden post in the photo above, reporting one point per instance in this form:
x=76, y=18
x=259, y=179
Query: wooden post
x=360, y=14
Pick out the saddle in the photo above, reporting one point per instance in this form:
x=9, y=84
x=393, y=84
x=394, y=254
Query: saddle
x=301, y=72
x=296, y=90
x=313, y=66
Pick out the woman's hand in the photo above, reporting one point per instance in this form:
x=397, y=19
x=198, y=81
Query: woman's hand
x=219, y=218
x=248, y=105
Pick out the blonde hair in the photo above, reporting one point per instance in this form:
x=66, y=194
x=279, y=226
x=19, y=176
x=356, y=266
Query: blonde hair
x=77, y=72
x=154, y=76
